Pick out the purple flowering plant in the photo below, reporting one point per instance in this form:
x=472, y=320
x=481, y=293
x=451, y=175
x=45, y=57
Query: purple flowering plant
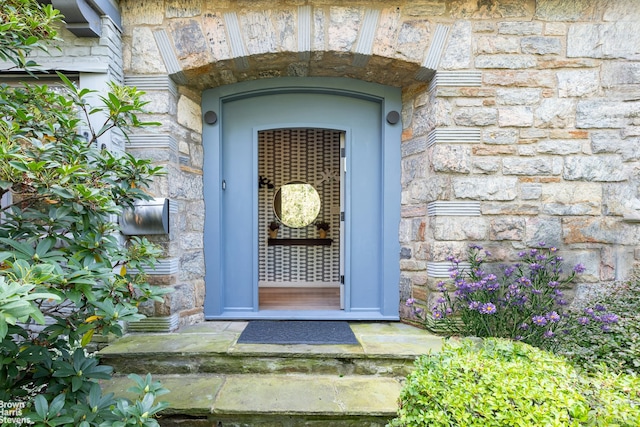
x=524, y=301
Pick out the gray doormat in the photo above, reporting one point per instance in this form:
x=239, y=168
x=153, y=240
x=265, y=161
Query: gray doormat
x=297, y=332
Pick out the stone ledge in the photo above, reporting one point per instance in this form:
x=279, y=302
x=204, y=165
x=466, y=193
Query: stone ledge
x=160, y=82
x=453, y=135
x=156, y=324
x=456, y=78
x=438, y=269
x=152, y=142
x=453, y=208
x=163, y=266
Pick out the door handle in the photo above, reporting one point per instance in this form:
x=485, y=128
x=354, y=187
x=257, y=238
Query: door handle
x=224, y=185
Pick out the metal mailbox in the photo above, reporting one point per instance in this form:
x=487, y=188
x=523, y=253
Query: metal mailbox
x=146, y=217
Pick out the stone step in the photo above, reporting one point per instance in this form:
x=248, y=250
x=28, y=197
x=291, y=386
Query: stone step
x=290, y=400
x=215, y=381
x=384, y=349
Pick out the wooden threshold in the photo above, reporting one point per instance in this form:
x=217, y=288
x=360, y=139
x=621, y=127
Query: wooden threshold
x=289, y=298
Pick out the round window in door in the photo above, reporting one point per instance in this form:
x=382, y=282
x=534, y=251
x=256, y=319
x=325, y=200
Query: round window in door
x=296, y=204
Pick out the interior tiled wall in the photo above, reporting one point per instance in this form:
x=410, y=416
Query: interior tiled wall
x=311, y=156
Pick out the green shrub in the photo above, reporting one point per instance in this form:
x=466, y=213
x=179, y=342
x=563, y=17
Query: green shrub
x=617, y=345
x=498, y=382
x=61, y=257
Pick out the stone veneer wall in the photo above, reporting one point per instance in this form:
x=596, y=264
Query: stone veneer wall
x=521, y=118
x=545, y=148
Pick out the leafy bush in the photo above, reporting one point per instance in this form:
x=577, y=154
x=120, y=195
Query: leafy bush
x=615, y=344
x=523, y=302
x=499, y=382
x=23, y=28
x=61, y=257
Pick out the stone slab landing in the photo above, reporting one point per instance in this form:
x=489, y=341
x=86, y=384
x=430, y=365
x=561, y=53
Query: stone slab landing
x=214, y=381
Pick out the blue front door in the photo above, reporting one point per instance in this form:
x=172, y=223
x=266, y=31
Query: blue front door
x=370, y=172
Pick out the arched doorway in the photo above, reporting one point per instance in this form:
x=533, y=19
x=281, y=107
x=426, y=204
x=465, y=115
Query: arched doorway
x=236, y=238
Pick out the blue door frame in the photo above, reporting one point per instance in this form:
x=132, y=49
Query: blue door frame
x=372, y=185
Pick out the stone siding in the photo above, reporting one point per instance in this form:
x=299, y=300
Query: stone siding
x=521, y=118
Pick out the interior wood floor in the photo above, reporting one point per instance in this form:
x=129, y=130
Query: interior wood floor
x=299, y=298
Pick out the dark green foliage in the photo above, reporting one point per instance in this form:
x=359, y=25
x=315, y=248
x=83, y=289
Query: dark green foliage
x=616, y=345
x=24, y=27
x=61, y=256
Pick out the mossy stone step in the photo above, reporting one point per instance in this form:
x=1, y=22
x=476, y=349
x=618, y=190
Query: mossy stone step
x=215, y=381
x=274, y=399
x=386, y=349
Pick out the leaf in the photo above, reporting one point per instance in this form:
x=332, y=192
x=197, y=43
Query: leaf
x=95, y=394
x=76, y=383
x=22, y=167
x=42, y=407
x=61, y=420
x=5, y=255
x=93, y=318
x=63, y=211
x=31, y=40
x=77, y=207
x=100, y=372
x=4, y=328
x=37, y=315
x=20, y=247
x=78, y=359
x=57, y=404
x=114, y=101
x=67, y=82
x=86, y=338
x=42, y=295
x=84, y=92
x=43, y=246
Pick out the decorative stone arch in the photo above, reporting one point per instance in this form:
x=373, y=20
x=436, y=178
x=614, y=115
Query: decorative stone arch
x=222, y=48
